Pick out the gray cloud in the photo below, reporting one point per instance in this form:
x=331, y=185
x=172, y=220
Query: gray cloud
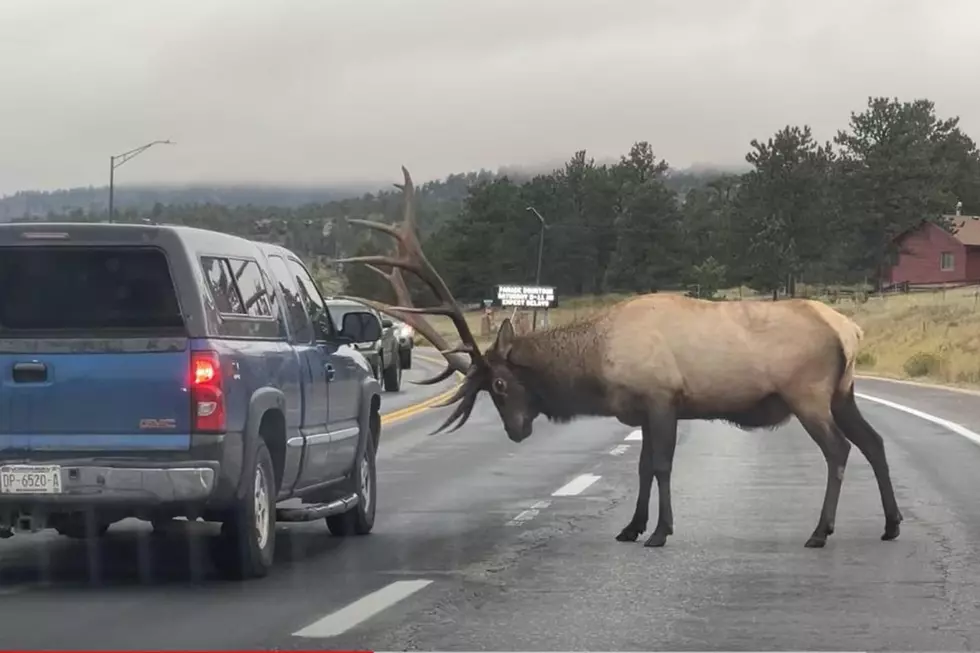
x=323, y=91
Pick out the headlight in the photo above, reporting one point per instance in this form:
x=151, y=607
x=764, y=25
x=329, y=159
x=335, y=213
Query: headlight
x=406, y=332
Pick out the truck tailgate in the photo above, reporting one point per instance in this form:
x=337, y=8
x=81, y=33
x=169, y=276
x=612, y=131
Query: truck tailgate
x=133, y=395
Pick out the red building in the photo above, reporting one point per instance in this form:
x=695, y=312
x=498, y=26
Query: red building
x=931, y=255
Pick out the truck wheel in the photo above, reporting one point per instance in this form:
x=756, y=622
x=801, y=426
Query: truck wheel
x=161, y=524
x=76, y=528
x=406, y=359
x=393, y=375
x=363, y=480
x=246, y=547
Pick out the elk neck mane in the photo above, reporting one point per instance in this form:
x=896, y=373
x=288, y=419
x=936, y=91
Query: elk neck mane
x=562, y=366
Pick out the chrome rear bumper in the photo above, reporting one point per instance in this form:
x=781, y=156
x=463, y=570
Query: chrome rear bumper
x=140, y=485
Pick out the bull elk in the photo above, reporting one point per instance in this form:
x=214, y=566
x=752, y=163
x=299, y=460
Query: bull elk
x=652, y=360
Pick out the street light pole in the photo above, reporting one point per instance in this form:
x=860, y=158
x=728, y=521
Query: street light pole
x=117, y=160
x=537, y=276
x=112, y=177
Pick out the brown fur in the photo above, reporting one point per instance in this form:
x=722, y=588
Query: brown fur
x=573, y=388
x=655, y=359
x=739, y=362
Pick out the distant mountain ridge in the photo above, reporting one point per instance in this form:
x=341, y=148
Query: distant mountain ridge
x=143, y=198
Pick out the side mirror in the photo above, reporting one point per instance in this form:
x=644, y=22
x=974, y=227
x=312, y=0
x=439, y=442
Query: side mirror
x=361, y=326
x=386, y=323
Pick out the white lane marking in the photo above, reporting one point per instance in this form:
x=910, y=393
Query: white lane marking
x=635, y=436
x=362, y=609
x=529, y=514
x=619, y=450
x=14, y=589
x=576, y=486
x=959, y=429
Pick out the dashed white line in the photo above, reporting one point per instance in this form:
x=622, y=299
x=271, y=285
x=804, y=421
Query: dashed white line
x=619, y=450
x=362, y=609
x=576, y=486
x=529, y=514
x=13, y=589
x=635, y=436
x=959, y=429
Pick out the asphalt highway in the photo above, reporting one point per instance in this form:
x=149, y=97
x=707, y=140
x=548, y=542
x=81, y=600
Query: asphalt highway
x=425, y=363
x=483, y=544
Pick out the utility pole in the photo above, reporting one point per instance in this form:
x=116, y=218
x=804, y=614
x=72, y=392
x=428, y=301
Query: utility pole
x=117, y=160
x=537, y=276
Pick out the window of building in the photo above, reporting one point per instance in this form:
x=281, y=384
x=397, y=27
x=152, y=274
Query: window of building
x=946, y=261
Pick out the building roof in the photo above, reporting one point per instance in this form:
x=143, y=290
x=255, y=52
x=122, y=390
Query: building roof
x=966, y=229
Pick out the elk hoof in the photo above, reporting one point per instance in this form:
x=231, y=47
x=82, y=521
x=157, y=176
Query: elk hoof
x=816, y=542
x=892, y=529
x=656, y=540
x=628, y=534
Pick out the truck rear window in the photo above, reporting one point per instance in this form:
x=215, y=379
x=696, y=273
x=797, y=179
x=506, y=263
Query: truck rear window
x=86, y=289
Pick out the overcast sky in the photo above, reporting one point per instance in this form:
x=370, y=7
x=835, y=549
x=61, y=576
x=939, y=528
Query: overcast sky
x=324, y=91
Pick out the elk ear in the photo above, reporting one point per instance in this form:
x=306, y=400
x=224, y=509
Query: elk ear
x=505, y=338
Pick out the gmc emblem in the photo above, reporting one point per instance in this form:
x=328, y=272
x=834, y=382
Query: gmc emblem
x=158, y=424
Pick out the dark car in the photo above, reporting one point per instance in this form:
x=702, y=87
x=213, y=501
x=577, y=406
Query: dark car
x=383, y=353
x=158, y=371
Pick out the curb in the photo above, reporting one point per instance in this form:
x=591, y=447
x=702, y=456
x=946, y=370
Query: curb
x=919, y=384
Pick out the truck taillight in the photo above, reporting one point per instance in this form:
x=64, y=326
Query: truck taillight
x=207, y=395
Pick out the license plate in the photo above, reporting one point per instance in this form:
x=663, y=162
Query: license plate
x=30, y=479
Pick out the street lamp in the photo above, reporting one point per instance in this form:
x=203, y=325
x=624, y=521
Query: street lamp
x=119, y=159
x=537, y=276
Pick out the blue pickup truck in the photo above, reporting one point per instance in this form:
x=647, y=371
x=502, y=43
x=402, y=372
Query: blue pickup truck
x=157, y=371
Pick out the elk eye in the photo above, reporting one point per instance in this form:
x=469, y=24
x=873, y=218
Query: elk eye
x=500, y=386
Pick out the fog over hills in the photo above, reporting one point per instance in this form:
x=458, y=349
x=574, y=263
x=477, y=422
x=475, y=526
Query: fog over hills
x=143, y=197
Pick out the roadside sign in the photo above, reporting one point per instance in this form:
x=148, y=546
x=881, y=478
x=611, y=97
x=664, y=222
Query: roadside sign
x=526, y=296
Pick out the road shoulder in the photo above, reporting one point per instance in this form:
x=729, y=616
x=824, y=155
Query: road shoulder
x=946, y=403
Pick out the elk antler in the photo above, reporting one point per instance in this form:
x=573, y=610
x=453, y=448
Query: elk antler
x=411, y=257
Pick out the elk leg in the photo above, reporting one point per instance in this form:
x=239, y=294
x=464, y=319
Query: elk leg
x=663, y=463
x=656, y=461
x=835, y=448
x=638, y=523
x=869, y=442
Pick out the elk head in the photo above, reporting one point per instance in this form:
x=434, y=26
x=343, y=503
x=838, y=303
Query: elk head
x=492, y=371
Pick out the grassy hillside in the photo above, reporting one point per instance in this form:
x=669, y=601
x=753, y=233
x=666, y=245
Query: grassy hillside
x=928, y=336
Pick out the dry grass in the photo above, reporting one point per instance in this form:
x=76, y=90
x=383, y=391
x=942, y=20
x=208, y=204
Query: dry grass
x=926, y=336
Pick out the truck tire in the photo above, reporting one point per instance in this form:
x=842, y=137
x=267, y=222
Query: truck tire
x=77, y=527
x=406, y=358
x=161, y=524
x=246, y=547
x=393, y=375
x=363, y=480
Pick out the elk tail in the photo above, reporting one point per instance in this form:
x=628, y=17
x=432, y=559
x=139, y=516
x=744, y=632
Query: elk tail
x=850, y=335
